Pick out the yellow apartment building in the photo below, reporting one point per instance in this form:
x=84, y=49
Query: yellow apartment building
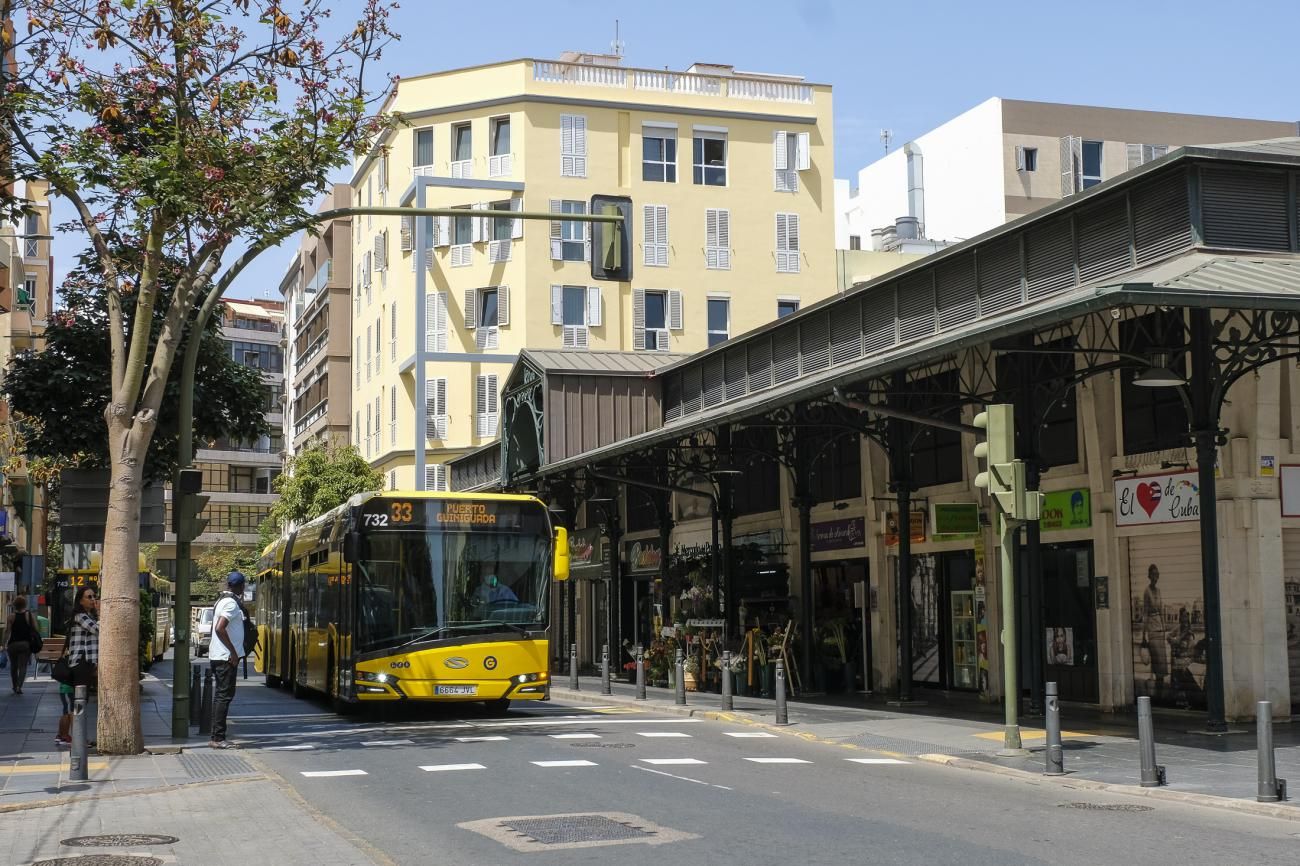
x=730, y=174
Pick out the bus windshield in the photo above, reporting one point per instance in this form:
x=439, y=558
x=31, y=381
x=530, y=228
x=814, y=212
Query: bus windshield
x=422, y=584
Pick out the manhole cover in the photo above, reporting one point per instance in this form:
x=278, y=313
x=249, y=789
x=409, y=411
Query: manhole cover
x=210, y=765
x=582, y=830
x=100, y=860
x=118, y=840
x=603, y=745
x=1108, y=807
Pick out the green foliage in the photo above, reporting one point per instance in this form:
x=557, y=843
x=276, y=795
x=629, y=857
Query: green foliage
x=213, y=563
x=317, y=480
x=67, y=385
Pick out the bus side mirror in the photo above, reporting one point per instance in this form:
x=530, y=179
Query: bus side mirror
x=351, y=546
x=561, y=564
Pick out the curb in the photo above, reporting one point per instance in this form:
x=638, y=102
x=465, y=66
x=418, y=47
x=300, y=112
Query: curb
x=116, y=795
x=1267, y=810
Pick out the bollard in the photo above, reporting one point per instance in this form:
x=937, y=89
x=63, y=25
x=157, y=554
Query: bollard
x=681, y=678
x=605, y=688
x=1153, y=774
x=1271, y=788
x=573, y=666
x=640, y=674
x=726, y=681
x=77, y=765
x=205, y=711
x=782, y=715
x=1055, y=755
x=196, y=694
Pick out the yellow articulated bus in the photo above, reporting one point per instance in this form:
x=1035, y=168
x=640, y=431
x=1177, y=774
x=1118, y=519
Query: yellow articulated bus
x=413, y=596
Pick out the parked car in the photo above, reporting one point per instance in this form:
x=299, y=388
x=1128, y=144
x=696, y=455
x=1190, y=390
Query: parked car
x=203, y=632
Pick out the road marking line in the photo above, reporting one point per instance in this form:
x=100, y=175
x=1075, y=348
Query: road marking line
x=679, y=778
x=1034, y=734
x=605, y=707
x=301, y=747
x=19, y=769
x=602, y=720
x=388, y=743
x=438, y=768
x=778, y=760
x=481, y=739
x=748, y=734
x=574, y=736
x=322, y=774
x=876, y=761
x=563, y=763
x=667, y=762
x=662, y=734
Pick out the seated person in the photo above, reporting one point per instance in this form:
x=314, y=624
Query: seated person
x=492, y=591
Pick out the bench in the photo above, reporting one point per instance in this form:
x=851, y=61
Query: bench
x=51, y=649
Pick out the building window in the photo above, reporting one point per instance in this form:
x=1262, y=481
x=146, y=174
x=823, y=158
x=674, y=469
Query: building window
x=717, y=239
x=573, y=145
x=654, y=220
x=659, y=156
x=654, y=314
x=262, y=356
x=787, y=243
x=855, y=242
x=485, y=406
x=31, y=226
x=786, y=307
x=719, y=320
x=1026, y=158
x=462, y=150
x=710, y=160
x=502, y=227
x=422, y=150
x=487, y=313
x=1091, y=163
x=572, y=235
x=576, y=309
x=499, y=160
x=242, y=479
x=27, y=294
x=1154, y=419
x=936, y=452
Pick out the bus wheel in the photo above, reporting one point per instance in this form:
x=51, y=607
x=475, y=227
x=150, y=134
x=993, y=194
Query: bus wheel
x=498, y=707
x=272, y=681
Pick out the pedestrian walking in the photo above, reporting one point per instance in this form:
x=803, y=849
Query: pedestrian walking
x=228, y=629
x=64, y=735
x=23, y=639
x=83, y=656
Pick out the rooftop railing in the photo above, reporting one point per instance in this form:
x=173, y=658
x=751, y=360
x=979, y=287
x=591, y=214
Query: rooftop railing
x=726, y=86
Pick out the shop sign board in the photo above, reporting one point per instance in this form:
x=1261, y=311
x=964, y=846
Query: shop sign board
x=917, y=525
x=956, y=520
x=839, y=534
x=643, y=555
x=1146, y=500
x=1067, y=509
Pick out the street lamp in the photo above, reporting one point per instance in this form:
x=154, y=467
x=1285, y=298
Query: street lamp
x=1158, y=375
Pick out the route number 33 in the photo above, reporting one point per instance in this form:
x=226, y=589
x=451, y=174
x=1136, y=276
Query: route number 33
x=398, y=512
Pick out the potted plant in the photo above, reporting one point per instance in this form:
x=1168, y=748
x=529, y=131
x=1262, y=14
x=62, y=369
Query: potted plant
x=739, y=671
x=692, y=673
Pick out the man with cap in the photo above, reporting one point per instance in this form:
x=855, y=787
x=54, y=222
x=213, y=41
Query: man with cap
x=228, y=631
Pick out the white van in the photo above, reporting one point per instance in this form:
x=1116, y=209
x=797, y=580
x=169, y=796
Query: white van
x=203, y=631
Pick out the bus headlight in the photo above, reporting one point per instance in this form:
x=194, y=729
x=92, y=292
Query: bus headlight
x=529, y=678
x=371, y=677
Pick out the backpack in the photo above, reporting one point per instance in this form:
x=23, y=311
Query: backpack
x=250, y=631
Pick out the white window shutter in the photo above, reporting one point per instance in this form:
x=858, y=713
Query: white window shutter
x=476, y=225
x=661, y=235
x=780, y=150
x=782, y=238
x=1020, y=157
x=381, y=251
x=516, y=225
x=440, y=321
x=408, y=234
x=492, y=393
x=1071, y=164
x=392, y=332
x=471, y=303
x=503, y=306
x=1134, y=155
x=580, y=145
x=557, y=241
x=442, y=231
x=392, y=417
x=1155, y=151
x=675, y=310
x=724, y=239
x=379, y=352
x=557, y=305
x=803, y=161
x=594, y=317
x=648, y=233
x=440, y=477
x=792, y=226
x=638, y=319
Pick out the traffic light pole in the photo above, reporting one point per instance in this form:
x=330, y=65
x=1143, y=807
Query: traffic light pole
x=1011, y=744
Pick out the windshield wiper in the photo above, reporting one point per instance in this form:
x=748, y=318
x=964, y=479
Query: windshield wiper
x=424, y=636
x=514, y=625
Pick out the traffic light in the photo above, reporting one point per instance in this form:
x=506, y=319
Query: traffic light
x=1004, y=475
x=611, y=242
x=187, y=505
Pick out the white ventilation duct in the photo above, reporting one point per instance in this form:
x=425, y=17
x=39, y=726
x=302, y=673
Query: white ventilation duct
x=915, y=185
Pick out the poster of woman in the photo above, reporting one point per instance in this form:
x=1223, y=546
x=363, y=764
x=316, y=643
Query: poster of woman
x=1168, y=640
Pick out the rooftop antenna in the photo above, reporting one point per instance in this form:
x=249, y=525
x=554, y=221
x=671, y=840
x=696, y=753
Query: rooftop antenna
x=886, y=136
x=617, y=45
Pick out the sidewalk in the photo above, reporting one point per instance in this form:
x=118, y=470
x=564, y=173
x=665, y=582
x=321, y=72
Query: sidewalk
x=178, y=789
x=1099, y=747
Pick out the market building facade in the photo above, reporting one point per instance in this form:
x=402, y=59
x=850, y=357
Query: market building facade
x=1141, y=330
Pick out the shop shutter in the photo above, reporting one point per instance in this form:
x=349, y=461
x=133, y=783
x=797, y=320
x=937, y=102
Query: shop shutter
x=1178, y=558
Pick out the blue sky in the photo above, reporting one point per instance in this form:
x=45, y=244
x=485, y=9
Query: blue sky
x=907, y=66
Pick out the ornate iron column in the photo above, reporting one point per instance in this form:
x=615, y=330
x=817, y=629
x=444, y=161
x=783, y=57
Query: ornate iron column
x=613, y=610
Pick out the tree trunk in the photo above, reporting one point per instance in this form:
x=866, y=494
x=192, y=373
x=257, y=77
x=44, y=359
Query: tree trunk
x=119, y=730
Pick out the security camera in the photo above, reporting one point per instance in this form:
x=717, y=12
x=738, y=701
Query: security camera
x=1114, y=312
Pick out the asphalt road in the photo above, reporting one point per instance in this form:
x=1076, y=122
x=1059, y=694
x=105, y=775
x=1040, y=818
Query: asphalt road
x=682, y=790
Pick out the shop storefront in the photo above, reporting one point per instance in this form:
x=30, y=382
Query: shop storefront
x=588, y=579
x=1070, y=596
x=841, y=618
x=642, y=558
x=1290, y=489
x=1167, y=600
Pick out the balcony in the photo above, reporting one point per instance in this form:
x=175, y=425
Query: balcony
x=744, y=86
x=305, y=423
x=312, y=350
